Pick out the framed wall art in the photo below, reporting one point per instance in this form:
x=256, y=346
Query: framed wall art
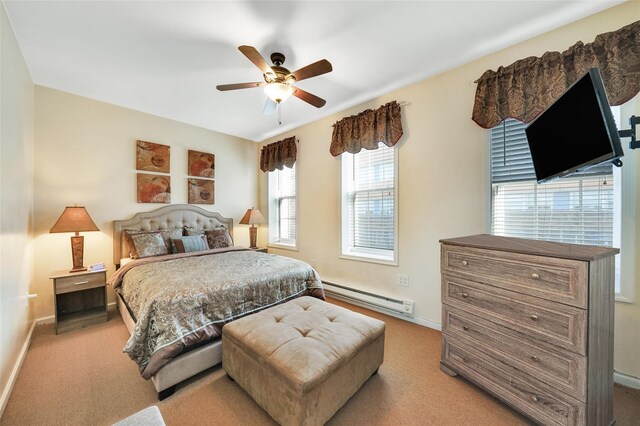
x=201, y=191
x=202, y=164
x=153, y=188
x=153, y=157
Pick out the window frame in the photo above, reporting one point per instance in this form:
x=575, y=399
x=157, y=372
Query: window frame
x=276, y=242
x=625, y=260
x=367, y=254
x=622, y=179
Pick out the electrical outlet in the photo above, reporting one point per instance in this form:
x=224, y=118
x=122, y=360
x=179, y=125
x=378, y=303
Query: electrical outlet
x=403, y=280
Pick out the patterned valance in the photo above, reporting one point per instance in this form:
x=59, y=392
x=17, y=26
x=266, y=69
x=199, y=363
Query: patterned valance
x=367, y=130
x=278, y=154
x=527, y=87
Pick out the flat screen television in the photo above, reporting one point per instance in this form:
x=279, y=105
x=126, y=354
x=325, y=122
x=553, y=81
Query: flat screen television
x=576, y=132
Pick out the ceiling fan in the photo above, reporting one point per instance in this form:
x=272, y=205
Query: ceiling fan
x=278, y=81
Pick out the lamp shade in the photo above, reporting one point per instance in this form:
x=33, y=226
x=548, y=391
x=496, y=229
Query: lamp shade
x=278, y=92
x=252, y=217
x=74, y=219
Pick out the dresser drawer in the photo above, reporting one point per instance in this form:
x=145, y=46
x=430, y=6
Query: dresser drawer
x=564, y=370
x=555, y=279
x=543, y=404
x=558, y=324
x=79, y=282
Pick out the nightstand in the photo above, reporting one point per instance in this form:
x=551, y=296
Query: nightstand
x=80, y=299
x=259, y=249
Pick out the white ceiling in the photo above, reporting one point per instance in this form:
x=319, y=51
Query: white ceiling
x=165, y=58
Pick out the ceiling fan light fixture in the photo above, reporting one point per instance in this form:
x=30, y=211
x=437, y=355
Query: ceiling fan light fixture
x=278, y=92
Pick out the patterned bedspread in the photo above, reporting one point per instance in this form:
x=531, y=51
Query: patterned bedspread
x=183, y=301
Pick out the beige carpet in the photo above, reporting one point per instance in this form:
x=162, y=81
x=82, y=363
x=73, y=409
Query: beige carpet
x=83, y=378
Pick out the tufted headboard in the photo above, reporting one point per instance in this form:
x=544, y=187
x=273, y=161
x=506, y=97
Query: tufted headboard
x=172, y=216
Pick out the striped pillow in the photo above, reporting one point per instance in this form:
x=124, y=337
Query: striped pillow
x=189, y=244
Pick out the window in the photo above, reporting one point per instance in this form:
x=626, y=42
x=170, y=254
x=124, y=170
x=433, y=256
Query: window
x=581, y=209
x=369, y=205
x=282, y=207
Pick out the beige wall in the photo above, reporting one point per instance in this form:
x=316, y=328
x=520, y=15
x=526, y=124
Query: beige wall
x=85, y=154
x=16, y=200
x=443, y=185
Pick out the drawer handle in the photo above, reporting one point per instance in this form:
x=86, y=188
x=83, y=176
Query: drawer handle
x=535, y=276
x=465, y=327
x=535, y=358
x=81, y=282
x=534, y=398
x=534, y=317
x=465, y=263
x=465, y=295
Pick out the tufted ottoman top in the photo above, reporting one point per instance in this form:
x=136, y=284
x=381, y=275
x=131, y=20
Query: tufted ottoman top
x=304, y=340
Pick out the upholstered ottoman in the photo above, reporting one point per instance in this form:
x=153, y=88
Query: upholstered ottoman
x=302, y=360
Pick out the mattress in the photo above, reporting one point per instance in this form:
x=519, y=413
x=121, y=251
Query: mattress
x=182, y=301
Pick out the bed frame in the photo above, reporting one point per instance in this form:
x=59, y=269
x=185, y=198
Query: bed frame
x=173, y=216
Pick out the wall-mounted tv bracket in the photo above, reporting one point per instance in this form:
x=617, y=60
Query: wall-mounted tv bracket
x=631, y=133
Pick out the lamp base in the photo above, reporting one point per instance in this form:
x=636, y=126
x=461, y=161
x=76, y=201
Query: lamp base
x=77, y=253
x=253, y=237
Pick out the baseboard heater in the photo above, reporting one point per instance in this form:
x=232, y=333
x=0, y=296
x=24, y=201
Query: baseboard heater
x=370, y=300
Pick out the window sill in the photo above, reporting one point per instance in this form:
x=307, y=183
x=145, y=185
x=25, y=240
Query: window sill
x=281, y=246
x=369, y=259
x=623, y=299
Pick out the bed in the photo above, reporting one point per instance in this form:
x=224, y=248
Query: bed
x=226, y=283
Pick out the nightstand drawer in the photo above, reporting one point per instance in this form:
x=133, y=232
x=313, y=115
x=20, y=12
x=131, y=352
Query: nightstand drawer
x=79, y=282
x=558, y=324
x=559, y=280
x=562, y=369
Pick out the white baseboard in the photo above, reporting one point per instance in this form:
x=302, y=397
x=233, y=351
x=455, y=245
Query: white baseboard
x=626, y=380
x=425, y=323
x=16, y=370
x=45, y=320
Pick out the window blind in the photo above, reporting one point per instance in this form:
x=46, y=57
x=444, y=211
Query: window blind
x=282, y=212
x=369, y=188
x=576, y=209
x=511, y=158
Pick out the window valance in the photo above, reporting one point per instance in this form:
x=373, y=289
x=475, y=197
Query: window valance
x=367, y=130
x=276, y=155
x=527, y=87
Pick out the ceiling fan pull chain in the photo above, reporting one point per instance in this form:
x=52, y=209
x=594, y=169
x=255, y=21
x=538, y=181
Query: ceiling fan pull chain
x=279, y=114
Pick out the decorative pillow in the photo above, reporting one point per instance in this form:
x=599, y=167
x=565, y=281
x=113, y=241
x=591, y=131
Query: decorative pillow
x=190, y=243
x=218, y=238
x=148, y=244
x=167, y=236
x=188, y=230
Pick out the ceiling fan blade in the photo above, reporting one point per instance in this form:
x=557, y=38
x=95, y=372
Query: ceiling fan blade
x=254, y=56
x=236, y=86
x=308, y=97
x=269, y=107
x=317, y=68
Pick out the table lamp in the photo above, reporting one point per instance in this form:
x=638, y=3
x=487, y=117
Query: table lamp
x=75, y=219
x=252, y=217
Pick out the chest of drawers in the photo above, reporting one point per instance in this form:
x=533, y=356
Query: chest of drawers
x=531, y=322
